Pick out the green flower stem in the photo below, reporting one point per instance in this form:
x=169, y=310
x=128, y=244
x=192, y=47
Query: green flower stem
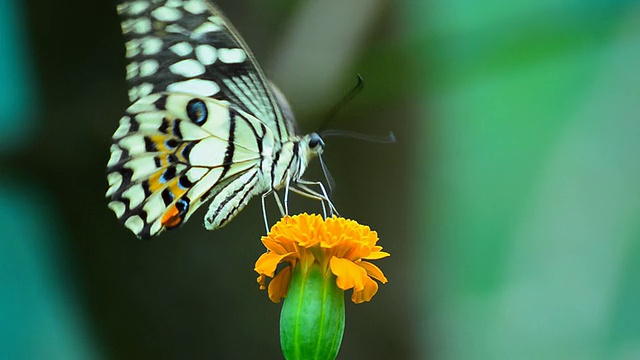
x=312, y=318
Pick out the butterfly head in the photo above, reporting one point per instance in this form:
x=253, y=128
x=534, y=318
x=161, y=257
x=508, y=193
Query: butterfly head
x=314, y=143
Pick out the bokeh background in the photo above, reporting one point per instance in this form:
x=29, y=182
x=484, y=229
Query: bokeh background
x=510, y=202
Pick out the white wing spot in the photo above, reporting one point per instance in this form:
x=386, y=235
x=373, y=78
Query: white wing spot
x=195, y=86
x=133, y=143
x=154, y=208
x=123, y=129
x=232, y=56
x=206, y=54
x=117, y=208
x=208, y=152
x=203, y=29
x=167, y=14
x=151, y=45
x=149, y=100
x=144, y=105
x=216, y=20
x=134, y=224
x=149, y=67
x=142, y=26
x=133, y=93
x=195, y=174
x=138, y=7
x=149, y=121
x=135, y=194
x=132, y=70
x=187, y=68
x=195, y=7
x=173, y=3
x=142, y=167
x=180, y=168
x=116, y=154
x=115, y=180
x=176, y=29
x=127, y=25
x=155, y=228
x=145, y=89
x=122, y=8
x=133, y=48
x=182, y=48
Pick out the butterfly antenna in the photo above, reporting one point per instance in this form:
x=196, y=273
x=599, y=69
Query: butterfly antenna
x=344, y=101
x=389, y=139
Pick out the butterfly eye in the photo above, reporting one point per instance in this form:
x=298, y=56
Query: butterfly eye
x=197, y=111
x=315, y=140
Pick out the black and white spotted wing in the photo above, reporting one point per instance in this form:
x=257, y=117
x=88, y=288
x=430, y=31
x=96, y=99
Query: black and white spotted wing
x=189, y=46
x=204, y=123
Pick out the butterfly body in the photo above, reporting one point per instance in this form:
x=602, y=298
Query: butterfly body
x=204, y=123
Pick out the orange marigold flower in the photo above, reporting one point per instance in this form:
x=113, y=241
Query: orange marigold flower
x=340, y=246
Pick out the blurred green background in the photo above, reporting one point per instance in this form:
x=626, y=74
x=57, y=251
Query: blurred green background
x=510, y=203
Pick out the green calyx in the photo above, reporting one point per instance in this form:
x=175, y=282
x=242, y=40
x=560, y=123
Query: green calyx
x=312, y=318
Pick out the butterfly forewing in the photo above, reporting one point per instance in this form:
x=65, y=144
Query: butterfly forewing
x=188, y=46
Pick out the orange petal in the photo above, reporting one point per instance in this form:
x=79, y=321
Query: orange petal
x=373, y=271
x=377, y=255
x=279, y=285
x=349, y=275
x=273, y=245
x=268, y=262
x=262, y=279
x=370, y=289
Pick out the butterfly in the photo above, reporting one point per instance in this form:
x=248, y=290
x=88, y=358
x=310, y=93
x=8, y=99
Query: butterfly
x=204, y=123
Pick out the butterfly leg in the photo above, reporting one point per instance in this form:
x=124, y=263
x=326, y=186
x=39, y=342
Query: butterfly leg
x=264, y=209
x=287, y=185
x=302, y=184
x=264, y=206
x=323, y=197
x=312, y=195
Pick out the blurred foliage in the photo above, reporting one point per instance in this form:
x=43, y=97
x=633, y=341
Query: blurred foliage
x=531, y=203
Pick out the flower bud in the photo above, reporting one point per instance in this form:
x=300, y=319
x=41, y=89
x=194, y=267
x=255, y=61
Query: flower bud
x=312, y=318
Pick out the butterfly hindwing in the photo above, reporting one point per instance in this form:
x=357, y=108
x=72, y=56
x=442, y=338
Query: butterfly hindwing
x=169, y=154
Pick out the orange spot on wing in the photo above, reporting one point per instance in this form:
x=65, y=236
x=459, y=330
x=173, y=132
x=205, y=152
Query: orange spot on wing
x=171, y=218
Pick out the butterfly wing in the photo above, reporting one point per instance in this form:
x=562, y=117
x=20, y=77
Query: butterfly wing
x=189, y=46
x=172, y=152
